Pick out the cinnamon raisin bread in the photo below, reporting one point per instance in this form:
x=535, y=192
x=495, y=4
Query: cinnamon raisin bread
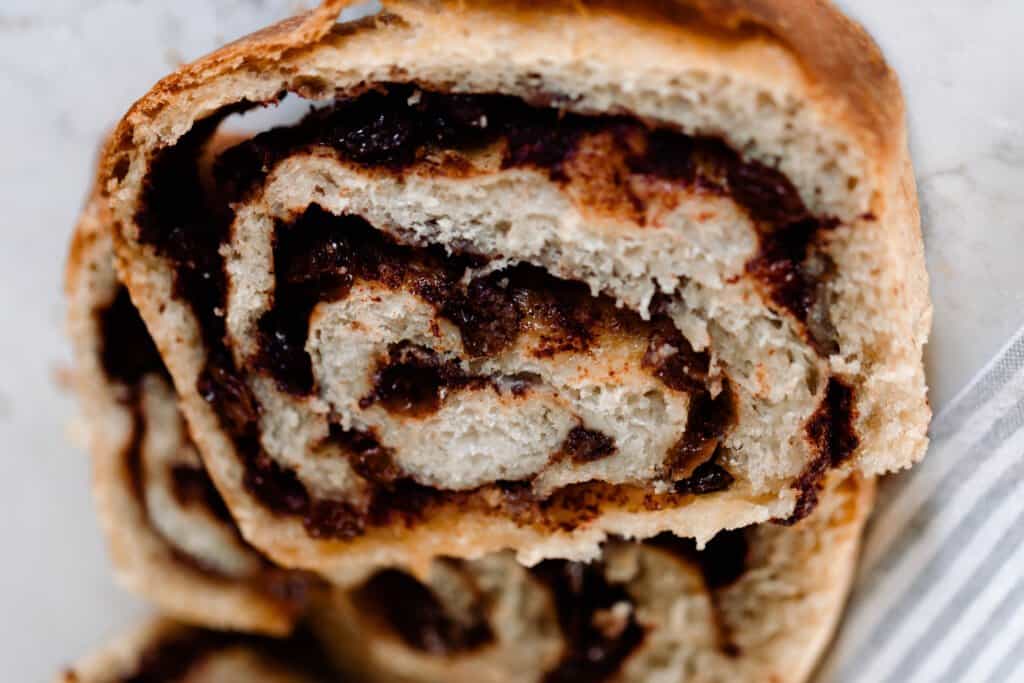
x=531, y=274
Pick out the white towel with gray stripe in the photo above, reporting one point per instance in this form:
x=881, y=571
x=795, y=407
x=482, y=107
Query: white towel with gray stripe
x=940, y=591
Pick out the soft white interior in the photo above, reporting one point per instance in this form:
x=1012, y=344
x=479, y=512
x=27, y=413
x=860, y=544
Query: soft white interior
x=483, y=435
x=673, y=602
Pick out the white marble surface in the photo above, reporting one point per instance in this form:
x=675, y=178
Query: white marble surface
x=68, y=68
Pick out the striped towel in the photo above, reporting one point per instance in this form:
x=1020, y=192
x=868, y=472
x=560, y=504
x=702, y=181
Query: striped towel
x=940, y=591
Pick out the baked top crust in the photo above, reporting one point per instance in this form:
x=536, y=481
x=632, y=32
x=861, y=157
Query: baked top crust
x=846, y=71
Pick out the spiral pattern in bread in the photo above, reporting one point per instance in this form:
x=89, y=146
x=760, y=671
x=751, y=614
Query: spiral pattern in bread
x=171, y=537
x=512, y=289
x=755, y=605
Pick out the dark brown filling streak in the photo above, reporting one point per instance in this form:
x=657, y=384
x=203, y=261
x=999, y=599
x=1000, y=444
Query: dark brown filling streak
x=414, y=613
x=722, y=562
x=691, y=460
x=395, y=126
x=388, y=129
x=175, y=656
x=320, y=257
x=832, y=435
x=581, y=591
x=127, y=355
x=191, y=485
x=584, y=445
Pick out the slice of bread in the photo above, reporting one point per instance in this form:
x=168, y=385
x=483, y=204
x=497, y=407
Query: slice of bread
x=167, y=651
x=171, y=538
x=535, y=274
x=758, y=604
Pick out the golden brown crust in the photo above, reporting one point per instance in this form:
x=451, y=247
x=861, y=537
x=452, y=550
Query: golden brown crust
x=839, y=57
x=842, y=61
x=250, y=51
x=90, y=227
